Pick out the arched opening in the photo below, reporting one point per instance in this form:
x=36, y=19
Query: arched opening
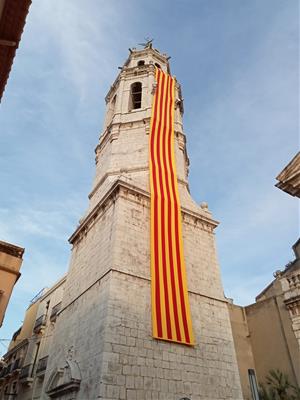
x=141, y=62
x=135, y=100
x=157, y=65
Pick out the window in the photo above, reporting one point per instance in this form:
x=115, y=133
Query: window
x=157, y=65
x=14, y=389
x=135, y=100
x=141, y=62
x=253, y=384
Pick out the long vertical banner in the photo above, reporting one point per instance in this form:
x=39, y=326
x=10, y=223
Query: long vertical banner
x=171, y=317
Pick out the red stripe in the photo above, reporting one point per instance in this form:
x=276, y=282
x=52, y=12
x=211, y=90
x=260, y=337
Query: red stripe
x=162, y=220
x=155, y=213
x=167, y=162
x=179, y=264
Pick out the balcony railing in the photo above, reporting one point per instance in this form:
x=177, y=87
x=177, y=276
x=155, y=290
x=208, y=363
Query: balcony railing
x=39, y=323
x=6, y=370
x=42, y=365
x=54, y=312
x=26, y=372
x=16, y=365
x=11, y=368
x=3, y=372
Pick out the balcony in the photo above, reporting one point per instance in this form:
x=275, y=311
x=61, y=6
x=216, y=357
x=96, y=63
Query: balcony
x=25, y=374
x=16, y=365
x=54, y=312
x=3, y=373
x=6, y=371
x=39, y=323
x=42, y=365
x=12, y=368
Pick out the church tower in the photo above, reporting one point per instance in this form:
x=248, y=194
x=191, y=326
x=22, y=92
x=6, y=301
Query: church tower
x=103, y=345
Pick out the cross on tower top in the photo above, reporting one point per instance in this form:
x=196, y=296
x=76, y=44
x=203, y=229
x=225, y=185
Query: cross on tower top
x=147, y=44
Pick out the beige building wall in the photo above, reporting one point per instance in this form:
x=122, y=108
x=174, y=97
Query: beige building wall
x=27, y=327
x=266, y=334
x=270, y=345
x=10, y=264
x=242, y=346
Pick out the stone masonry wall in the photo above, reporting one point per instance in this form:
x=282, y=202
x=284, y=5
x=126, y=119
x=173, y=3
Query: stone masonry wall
x=136, y=366
x=108, y=327
x=79, y=335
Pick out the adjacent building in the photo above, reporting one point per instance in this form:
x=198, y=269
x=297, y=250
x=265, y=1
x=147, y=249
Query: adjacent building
x=13, y=360
x=12, y=20
x=10, y=264
x=267, y=333
x=25, y=363
x=289, y=177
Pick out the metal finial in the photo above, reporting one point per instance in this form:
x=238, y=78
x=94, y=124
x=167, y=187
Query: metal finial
x=147, y=44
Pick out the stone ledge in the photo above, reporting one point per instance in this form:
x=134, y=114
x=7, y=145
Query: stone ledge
x=111, y=196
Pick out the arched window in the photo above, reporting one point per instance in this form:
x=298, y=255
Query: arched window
x=141, y=62
x=157, y=65
x=135, y=100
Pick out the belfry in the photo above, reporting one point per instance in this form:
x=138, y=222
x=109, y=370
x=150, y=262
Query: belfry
x=143, y=314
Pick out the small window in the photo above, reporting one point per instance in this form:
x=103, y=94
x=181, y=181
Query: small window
x=141, y=62
x=157, y=65
x=14, y=388
x=135, y=100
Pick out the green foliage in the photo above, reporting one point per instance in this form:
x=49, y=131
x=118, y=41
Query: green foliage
x=279, y=387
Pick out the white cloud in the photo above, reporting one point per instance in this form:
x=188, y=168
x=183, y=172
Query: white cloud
x=82, y=37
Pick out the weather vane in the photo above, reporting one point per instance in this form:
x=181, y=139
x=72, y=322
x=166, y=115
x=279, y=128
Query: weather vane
x=147, y=44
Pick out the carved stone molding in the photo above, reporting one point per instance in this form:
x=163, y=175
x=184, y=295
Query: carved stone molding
x=64, y=380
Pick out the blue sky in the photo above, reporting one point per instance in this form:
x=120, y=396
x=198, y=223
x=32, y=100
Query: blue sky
x=237, y=62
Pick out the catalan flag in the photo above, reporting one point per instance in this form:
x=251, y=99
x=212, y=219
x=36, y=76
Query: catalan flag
x=171, y=317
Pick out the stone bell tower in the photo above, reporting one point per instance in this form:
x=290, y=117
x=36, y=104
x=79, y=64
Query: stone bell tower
x=103, y=346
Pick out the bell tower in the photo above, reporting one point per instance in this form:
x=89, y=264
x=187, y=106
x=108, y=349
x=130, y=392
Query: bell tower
x=105, y=319
x=123, y=146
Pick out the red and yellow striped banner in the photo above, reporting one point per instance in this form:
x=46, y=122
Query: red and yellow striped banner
x=171, y=317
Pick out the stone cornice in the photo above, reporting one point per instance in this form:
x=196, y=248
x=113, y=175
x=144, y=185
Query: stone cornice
x=292, y=301
x=11, y=249
x=16, y=348
x=113, y=129
x=118, y=173
x=115, y=270
x=188, y=216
